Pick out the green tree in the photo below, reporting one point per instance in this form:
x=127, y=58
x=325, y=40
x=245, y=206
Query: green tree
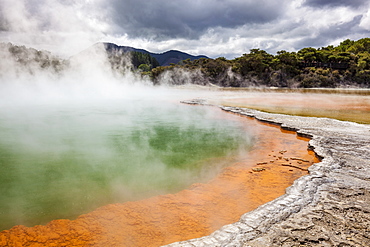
x=138, y=58
x=144, y=67
x=257, y=62
x=307, y=54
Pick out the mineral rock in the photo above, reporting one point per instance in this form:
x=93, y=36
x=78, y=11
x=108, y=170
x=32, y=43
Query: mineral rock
x=327, y=207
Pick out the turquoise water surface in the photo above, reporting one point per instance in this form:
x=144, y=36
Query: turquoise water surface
x=62, y=159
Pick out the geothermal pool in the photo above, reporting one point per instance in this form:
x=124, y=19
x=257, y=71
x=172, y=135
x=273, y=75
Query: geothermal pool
x=61, y=159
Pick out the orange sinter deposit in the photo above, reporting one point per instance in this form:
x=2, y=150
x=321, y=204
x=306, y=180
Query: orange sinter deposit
x=277, y=159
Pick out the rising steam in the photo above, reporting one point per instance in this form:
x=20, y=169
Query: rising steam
x=79, y=133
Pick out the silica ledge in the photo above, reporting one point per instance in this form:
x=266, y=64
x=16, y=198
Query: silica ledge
x=328, y=207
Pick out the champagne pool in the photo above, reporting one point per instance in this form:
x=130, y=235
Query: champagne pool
x=63, y=159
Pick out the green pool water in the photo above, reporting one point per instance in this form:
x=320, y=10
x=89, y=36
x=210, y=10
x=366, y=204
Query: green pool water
x=60, y=160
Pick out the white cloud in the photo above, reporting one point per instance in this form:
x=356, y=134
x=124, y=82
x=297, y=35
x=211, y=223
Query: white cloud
x=210, y=27
x=365, y=21
x=16, y=16
x=62, y=26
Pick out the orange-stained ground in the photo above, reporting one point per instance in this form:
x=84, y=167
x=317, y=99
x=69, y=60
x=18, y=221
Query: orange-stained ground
x=198, y=211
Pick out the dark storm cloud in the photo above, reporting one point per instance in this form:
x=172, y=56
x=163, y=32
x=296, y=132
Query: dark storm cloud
x=335, y=3
x=189, y=18
x=325, y=35
x=212, y=27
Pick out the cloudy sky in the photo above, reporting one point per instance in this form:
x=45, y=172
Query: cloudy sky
x=214, y=28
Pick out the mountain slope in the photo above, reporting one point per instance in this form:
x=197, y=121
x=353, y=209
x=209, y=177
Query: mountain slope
x=164, y=59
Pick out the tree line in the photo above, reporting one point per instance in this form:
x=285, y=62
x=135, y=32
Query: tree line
x=347, y=64
x=29, y=60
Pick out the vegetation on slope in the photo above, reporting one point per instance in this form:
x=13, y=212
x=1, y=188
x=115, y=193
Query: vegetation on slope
x=163, y=59
x=20, y=59
x=347, y=64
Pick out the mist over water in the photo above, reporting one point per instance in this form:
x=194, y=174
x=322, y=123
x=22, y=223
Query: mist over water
x=72, y=142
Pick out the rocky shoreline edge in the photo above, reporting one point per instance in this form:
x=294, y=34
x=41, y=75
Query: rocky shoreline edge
x=328, y=207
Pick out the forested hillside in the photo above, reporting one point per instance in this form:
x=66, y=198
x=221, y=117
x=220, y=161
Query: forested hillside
x=347, y=64
x=20, y=59
x=163, y=59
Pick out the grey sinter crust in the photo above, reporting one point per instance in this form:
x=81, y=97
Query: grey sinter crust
x=328, y=207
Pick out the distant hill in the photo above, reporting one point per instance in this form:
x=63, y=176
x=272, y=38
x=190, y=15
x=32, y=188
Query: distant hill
x=21, y=59
x=164, y=59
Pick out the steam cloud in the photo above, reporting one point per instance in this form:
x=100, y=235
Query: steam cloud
x=57, y=113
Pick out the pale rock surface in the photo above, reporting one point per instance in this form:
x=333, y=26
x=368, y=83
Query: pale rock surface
x=328, y=207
